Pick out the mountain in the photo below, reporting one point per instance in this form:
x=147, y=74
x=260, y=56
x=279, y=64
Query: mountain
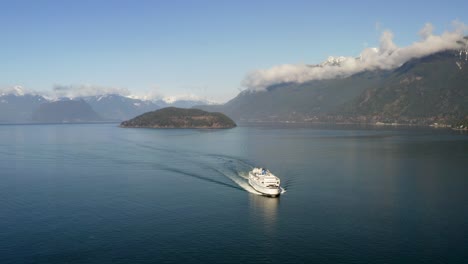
x=16, y=106
x=421, y=91
x=433, y=88
x=180, y=103
x=297, y=102
x=172, y=117
x=66, y=111
x=114, y=107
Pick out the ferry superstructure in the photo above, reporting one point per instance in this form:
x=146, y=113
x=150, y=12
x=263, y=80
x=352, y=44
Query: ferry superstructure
x=263, y=181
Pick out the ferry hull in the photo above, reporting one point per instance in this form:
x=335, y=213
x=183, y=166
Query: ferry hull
x=263, y=190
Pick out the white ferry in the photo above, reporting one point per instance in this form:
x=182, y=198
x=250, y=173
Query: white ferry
x=263, y=181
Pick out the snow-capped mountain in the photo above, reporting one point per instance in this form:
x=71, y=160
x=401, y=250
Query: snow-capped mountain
x=15, y=90
x=421, y=91
x=118, y=108
x=17, y=106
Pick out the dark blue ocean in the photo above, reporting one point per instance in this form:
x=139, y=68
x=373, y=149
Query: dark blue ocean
x=97, y=193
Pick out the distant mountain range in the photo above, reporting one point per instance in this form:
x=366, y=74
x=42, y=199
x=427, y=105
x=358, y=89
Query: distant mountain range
x=421, y=91
x=19, y=106
x=115, y=107
x=68, y=111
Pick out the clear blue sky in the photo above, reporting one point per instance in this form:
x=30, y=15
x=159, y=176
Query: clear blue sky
x=199, y=47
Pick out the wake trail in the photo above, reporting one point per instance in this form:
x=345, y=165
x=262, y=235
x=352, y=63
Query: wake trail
x=239, y=180
x=235, y=169
x=197, y=176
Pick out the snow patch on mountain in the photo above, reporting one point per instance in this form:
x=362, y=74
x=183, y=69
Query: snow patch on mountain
x=16, y=90
x=107, y=95
x=86, y=90
x=333, y=61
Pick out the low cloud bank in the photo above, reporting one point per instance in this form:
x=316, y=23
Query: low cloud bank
x=74, y=91
x=387, y=56
x=78, y=91
x=15, y=90
x=65, y=91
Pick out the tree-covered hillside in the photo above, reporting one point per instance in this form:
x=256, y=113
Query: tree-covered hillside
x=422, y=91
x=172, y=117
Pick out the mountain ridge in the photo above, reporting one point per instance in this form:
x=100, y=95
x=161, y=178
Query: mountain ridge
x=422, y=91
x=18, y=105
x=70, y=111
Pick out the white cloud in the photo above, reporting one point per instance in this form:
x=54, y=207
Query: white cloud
x=155, y=94
x=77, y=91
x=426, y=31
x=17, y=90
x=183, y=97
x=150, y=95
x=387, y=56
x=73, y=91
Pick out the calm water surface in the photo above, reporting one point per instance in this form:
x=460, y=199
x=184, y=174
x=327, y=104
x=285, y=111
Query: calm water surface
x=102, y=194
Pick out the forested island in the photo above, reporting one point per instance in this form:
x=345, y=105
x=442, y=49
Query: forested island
x=173, y=117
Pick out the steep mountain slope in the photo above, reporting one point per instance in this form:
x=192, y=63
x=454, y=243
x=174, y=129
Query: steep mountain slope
x=18, y=108
x=432, y=88
x=298, y=102
x=68, y=111
x=115, y=107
